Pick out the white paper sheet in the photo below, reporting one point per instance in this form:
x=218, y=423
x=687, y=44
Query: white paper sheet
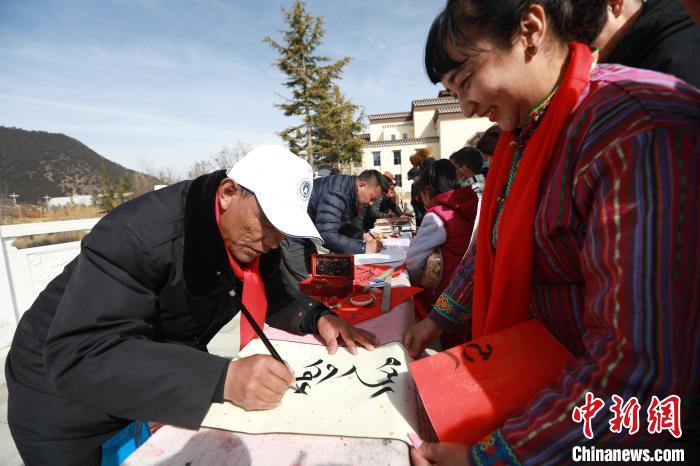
x=389, y=254
x=340, y=405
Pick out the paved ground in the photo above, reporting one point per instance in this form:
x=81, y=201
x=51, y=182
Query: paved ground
x=225, y=343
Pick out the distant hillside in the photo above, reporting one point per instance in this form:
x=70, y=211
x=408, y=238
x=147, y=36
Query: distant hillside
x=36, y=163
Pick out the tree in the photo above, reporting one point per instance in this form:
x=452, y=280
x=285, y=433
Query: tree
x=106, y=199
x=222, y=160
x=336, y=129
x=311, y=78
x=125, y=188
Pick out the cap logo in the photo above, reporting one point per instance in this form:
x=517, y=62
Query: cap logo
x=304, y=189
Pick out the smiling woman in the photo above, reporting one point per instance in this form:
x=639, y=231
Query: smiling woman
x=593, y=164
x=499, y=66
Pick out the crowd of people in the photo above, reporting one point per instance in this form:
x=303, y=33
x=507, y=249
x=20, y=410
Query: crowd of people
x=578, y=208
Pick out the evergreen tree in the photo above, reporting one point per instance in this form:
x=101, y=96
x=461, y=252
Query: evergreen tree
x=125, y=188
x=106, y=199
x=335, y=130
x=311, y=78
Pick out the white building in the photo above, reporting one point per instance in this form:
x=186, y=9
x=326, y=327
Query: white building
x=75, y=199
x=432, y=123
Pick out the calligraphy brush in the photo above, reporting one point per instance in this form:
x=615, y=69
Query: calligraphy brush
x=255, y=325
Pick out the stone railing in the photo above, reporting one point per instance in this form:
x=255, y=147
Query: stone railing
x=24, y=273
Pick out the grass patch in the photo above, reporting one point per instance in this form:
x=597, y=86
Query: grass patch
x=33, y=241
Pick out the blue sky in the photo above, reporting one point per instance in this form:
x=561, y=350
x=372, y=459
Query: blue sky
x=153, y=84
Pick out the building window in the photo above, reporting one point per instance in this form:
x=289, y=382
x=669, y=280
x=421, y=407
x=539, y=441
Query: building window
x=397, y=178
x=397, y=157
x=376, y=158
x=393, y=137
x=405, y=136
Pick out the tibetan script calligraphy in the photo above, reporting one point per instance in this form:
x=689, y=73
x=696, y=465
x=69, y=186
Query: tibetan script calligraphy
x=314, y=371
x=336, y=394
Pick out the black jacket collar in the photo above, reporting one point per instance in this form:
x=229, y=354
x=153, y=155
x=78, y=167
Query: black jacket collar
x=204, y=251
x=659, y=20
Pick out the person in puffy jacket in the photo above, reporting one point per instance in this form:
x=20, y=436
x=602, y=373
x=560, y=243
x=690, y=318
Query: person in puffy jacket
x=335, y=201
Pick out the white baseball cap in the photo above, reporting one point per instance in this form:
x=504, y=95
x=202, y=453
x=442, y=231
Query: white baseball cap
x=282, y=183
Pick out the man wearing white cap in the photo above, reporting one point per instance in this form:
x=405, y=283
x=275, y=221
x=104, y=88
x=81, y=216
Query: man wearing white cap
x=121, y=334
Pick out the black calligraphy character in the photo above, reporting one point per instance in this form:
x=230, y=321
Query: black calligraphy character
x=485, y=355
x=390, y=362
x=350, y=371
x=333, y=370
x=308, y=376
x=383, y=390
x=302, y=388
x=390, y=374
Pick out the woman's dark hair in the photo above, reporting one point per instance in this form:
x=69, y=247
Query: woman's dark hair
x=498, y=21
x=438, y=177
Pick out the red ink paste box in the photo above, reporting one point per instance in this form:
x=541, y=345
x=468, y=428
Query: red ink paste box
x=331, y=275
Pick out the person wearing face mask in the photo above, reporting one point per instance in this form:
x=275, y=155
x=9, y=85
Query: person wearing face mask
x=122, y=333
x=468, y=162
x=335, y=201
x=588, y=221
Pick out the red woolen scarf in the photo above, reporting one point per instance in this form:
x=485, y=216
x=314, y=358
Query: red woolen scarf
x=503, y=277
x=253, y=297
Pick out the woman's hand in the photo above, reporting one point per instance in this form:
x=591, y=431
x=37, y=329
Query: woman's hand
x=441, y=454
x=421, y=335
x=331, y=327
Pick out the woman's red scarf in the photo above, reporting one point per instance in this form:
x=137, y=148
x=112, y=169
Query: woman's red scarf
x=503, y=280
x=253, y=296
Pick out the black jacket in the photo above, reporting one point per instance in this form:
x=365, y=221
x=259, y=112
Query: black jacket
x=121, y=334
x=333, y=204
x=664, y=39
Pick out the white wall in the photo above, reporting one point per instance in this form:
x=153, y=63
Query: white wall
x=423, y=123
x=387, y=161
x=24, y=273
x=454, y=133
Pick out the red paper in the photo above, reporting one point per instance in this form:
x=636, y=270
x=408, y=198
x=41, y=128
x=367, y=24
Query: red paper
x=471, y=389
x=354, y=314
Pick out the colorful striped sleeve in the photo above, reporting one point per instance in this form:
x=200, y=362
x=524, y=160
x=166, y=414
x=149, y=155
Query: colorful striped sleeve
x=640, y=262
x=453, y=306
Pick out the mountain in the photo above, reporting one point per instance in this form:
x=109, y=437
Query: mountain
x=36, y=163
